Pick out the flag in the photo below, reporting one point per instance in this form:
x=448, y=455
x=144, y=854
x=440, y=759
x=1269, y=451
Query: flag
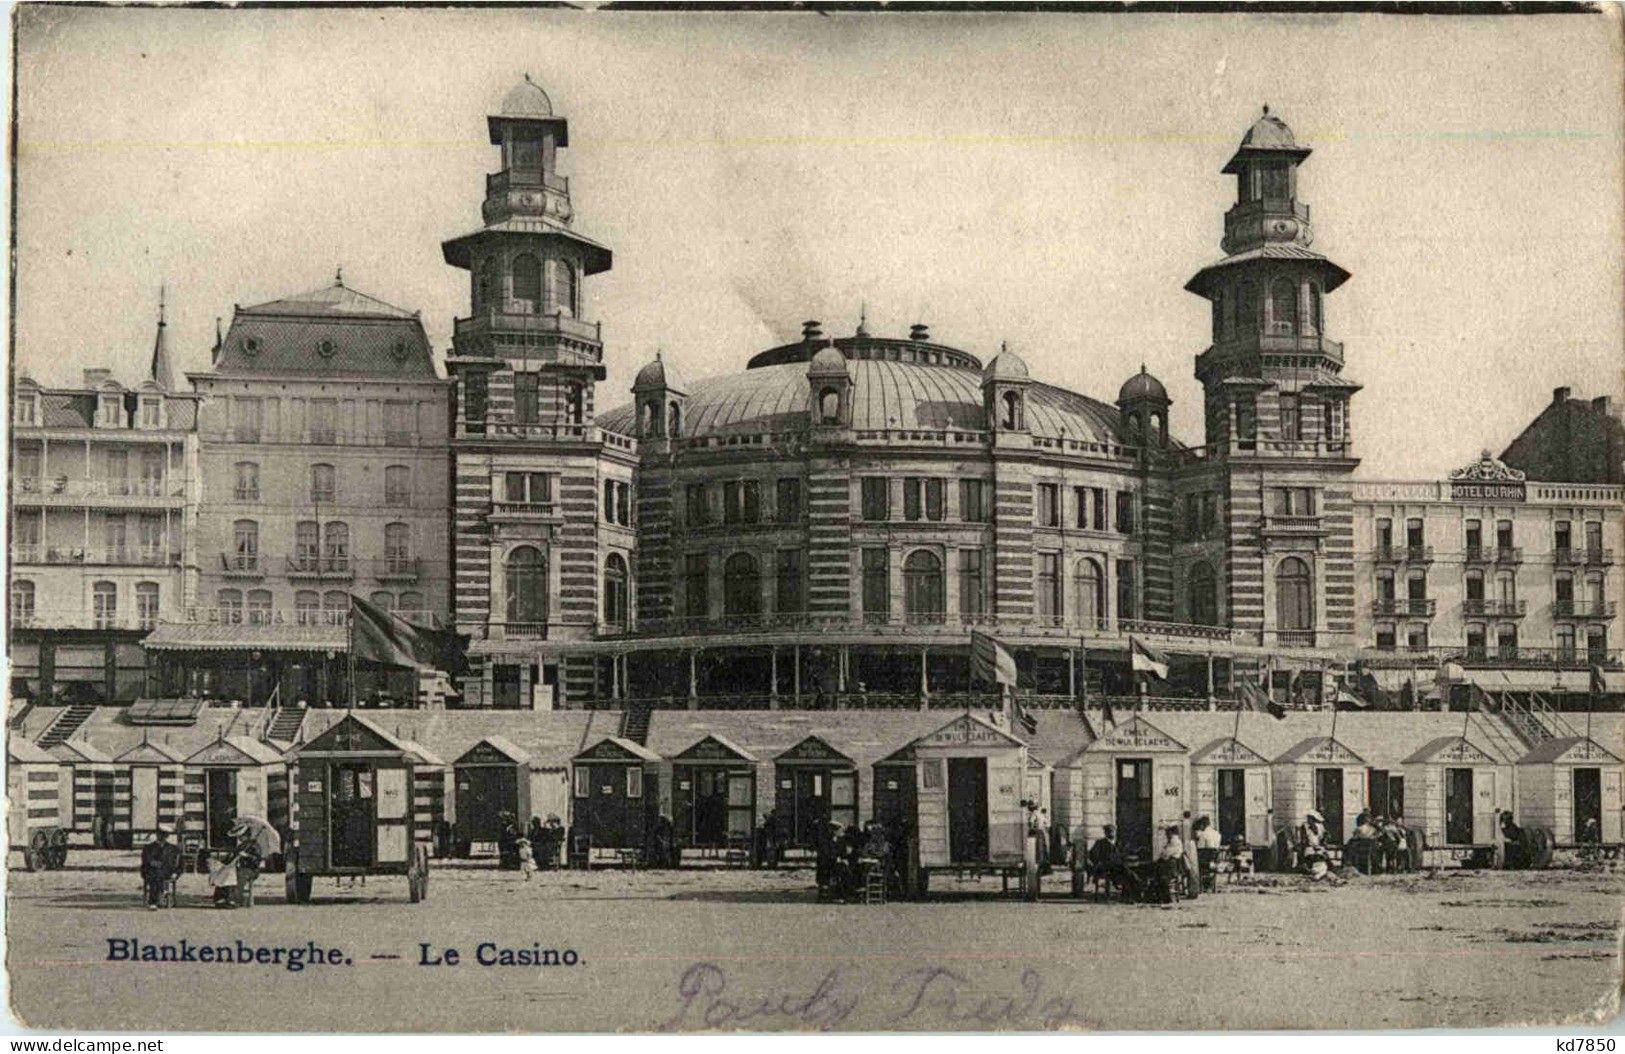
x=1142, y=659
x=1256, y=699
x=991, y=661
x=1021, y=716
x=1107, y=716
x=1407, y=695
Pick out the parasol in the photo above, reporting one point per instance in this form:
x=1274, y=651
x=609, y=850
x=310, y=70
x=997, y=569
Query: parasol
x=266, y=840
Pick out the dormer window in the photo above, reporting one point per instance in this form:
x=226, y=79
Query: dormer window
x=829, y=406
x=1283, y=307
x=250, y=346
x=326, y=349
x=1011, y=418
x=152, y=411
x=109, y=410
x=27, y=410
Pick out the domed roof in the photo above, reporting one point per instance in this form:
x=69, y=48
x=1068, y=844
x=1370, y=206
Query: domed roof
x=886, y=395
x=658, y=374
x=1006, y=366
x=527, y=99
x=1269, y=132
x=1142, y=386
x=827, y=360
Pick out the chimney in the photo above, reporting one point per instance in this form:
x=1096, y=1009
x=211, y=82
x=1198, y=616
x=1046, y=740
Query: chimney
x=1602, y=405
x=95, y=376
x=1560, y=395
x=811, y=330
x=919, y=331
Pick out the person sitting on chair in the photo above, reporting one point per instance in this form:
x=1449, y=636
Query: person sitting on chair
x=1312, y=855
x=160, y=865
x=1104, y=862
x=1208, y=848
x=1171, y=872
x=1362, y=844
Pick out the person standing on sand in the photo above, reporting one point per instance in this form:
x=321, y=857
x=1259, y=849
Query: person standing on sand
x=527, y=861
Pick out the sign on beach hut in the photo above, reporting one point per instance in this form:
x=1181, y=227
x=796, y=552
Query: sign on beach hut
x=1231, y=785
x=1323, y=774
x=148, y=792
x=1135, y=778
x=1571, y=784
x=231, y=777
x=1454, y=790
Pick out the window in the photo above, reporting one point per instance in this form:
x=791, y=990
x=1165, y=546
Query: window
x=525, y=579
x=1047, y=586
x=1597, y=645
x=674, y=421
x=1416, y=638
x=324, y=417
x=246, y=420
x=1283, y=307
x=634, y=781
x=922, y=586
x=26, y=413
x=1049, y=513
x=1414, y=536
x=307, y=605
x=324, y=484
x=1416, y=586
x=527, y=488
x=876, y=498
x=527, y=408
x=1204, y=595
x=876, y=585
x=1316, y=321
x=245, y=536
x=1246, y=424
x=1126, y=606
x=1475, y=539
x=696, y=586
x=788, y=592
x=1385, y=588
x=335, y=605
x=1080, y=502
x=1565, y=643
x=230, y=602
x=1294, y=501
x=1247, y=307
x=1011, y=420
x=336, y=546
x=248, y=481
x=1125, y=512
x=562, y=275
x=116, y=472
x=399, y=422
x=259, y=607
x=104, y=598
x=1274, y=181
x=1562, y=539
x=741, y=585
x=972, y=501
x=972, y=587
x=152, y=473
x=1385, y=638
x=1290, y=425
x=1475, y=642
x=1090, y=586
x=1294, y=596
x=1385, y=535
x=152, y=411
x=22, y=602
x=1097, y=504
x=1593, y=542
x=527, y=282
x=1503, y=534
x=615, y=591
x=583, y=781
x=382, y=600
x=476, y=402
x=1506, y=588
x=115, y=533
x=699, y=510
x=741, y=502
x=108, y=410
x=575, y=404
x=411, y=604
x=1506, y=642
x=788, y=504
x=397, y=547
x=829, y=406
x=1475, y=587
x=146, y=604
x=397, y=486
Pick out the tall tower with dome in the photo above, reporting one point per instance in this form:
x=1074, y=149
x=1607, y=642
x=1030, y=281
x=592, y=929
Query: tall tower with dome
x=1276, y=404
x=528, y=460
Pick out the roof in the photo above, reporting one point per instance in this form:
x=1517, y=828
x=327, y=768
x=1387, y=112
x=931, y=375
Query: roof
x=637, y=750
x=1334, y=748
x=501, y=745
x=658, y=374
x=863, y=736
x=1006, y=366
x=151, y=753
x=1452, y=748
x=78, y=749
x=376, y=738
x=1142, y=386
x=526, y=99
x=187, y=636
x=1334, y=275
x=827, y=361
x=1555, y=749
x=329, y=332
x=1228, y=750
x=594, y=257
x=336, y=300
x=722, y=741
x=1319, y=377
x=421, y=753
x=885, y=395
x=1268, y=134
x=235, y=750
x=27, y=752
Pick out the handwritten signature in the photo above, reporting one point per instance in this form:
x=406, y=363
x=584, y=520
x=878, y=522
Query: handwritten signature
x=927, y=995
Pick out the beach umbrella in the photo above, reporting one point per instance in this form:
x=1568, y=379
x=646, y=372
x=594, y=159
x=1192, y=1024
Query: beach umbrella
x=266, y=840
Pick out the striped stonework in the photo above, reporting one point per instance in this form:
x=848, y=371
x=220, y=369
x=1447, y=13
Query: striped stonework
x=1156, y=549
x=1012, y=590
x=1337, y=558
x=652, y=564
x=829, y=535
x=471, y=546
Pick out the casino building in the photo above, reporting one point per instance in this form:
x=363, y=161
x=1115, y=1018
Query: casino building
x=837, y=517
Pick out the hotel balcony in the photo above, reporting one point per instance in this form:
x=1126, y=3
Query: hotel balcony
x=321, y=568
x=397, y=569
x=1403, y=554
x=1603, y=609
x=1583, y=557
x=1508, y=555
x=1292, y=524
x=1494, y=608
x=115, y=556
x=241, y=565
x=556, y=325
x=1418, y=607
x=1493, y=655
x=526, y=512
x=62, y=491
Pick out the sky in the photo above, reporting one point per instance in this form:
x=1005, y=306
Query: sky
x=1047, y=181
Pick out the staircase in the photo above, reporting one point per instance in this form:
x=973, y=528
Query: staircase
x=66, y=724
x=635, y=723
x=285, y=724
x=1533, y=722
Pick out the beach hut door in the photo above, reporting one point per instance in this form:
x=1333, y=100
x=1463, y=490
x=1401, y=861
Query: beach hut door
x=251, y=793
x=1611, y=806
x=1134, y=806
x=1232, y=804
x=1485, y=805
x=221, y=787
x=1458, y=806
x=1329, y=801
x=1587, y=800
x=967, y=809
x=353, y=815
x=143, y=798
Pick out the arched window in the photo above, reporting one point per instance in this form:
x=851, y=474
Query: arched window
x=410, y=606
x=307, y=604
x=651, y=418
x=674, y=421
x=741, y=585
x=1315, y=320
x=1090, y=586
x=1283, y=306
x=487, y=290
x=563, y=275
x=527, y=282
x=245, y=540
x=230, y=603
x=574, y=404
x=397, y=548
x=382, y=600
x=829, y=406
x=335, y=606
x=336, y=546
x=259, y=607
x=922, y=586
x=248, y=481
x=1012, y=410
x=1204, y=595
x=22, y=602
x=615, y=591
x=1218, y=313
x=1294, y=596
x=526, y=579
x=324, y=484
x=1246, y=308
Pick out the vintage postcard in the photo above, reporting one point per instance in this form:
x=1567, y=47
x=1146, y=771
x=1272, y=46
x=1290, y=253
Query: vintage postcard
x=650, y=521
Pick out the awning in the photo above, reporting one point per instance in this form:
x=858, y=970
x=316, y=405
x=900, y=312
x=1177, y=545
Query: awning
x=1578, y=681
x=184, y=636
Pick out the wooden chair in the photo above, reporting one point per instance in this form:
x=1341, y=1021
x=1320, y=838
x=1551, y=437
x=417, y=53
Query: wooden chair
x=874, y=883
x=581, y=851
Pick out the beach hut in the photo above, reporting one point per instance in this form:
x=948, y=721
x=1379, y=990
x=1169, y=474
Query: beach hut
x=1454, y=791
x=490, y=780
x=816, y=784
x=894, y=801
x=1323, y=774
x=149, y=791
x=353, y=812
x=33, y=799
x=971, y=778
x=89, y=775
x=714, y=794
x=231, y=777
x=1134, y=777
x=1230, y=784
x=429, y=776
x=616, y=787
x=1565, y=782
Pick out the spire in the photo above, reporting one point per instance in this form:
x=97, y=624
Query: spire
x=338, y=276
x=863, y=318
x=162, y=371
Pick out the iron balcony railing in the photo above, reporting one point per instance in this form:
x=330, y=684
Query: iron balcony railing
x=926, y=625
x=1489, y=654
x=1419, y=607
x=242, y=615
x=1583, y=608
x=328, y=567
x=1394, y=554
x=241, y=565
x=1494, y=608
x=110, y=556
x=27, y=488
x=538, y=324
x=1508, y=554
x=397, y=568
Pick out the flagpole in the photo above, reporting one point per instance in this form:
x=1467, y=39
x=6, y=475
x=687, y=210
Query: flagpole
x=350, y=654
